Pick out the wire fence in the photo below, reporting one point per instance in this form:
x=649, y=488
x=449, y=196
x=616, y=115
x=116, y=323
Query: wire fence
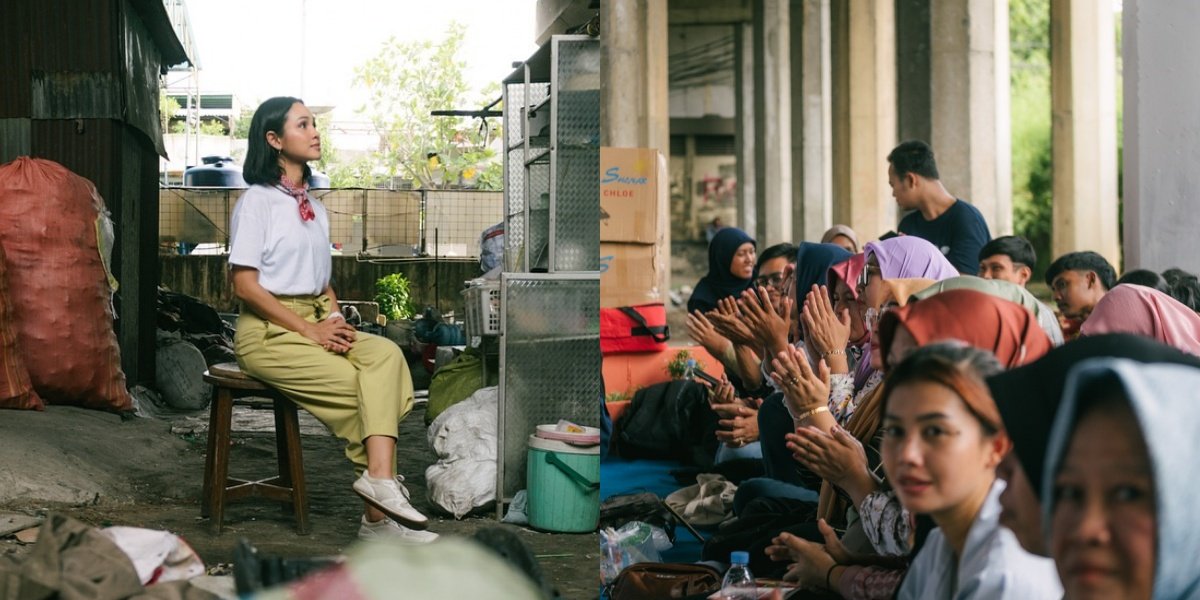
x=379, y=223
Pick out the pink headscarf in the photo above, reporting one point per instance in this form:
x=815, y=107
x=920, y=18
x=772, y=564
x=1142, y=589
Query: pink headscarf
x=1145, y=311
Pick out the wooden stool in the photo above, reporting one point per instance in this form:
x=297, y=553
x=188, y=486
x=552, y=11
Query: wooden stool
x=229, y=383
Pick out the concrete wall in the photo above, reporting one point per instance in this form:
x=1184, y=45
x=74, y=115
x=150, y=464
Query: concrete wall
x=1162, y=135
x=205, y=278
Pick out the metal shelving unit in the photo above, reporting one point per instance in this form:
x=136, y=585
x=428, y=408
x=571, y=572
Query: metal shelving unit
x=549, y=339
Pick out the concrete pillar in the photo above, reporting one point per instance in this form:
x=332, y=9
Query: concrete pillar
x=970, y=123
x=1084, y=129
x=812, y=139
x=914, y=113
x=746, y=142
x=634, y=92
x=863, y=57
x=773, y=122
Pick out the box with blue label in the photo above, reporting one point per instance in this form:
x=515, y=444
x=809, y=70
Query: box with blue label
x=634, y=195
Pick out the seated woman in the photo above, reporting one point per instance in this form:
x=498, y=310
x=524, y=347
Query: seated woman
x=731, y=261
x=1028, y=398
x=1143, y=311
x=942, y=440
x=290, y=333
x=841, y=235
x=1006, y=290
x=1120, y=491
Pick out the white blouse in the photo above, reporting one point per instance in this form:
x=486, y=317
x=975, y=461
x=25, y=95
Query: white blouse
x=993, y=564
x=292, y=256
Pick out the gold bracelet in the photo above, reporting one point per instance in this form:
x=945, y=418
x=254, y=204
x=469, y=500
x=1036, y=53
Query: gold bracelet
x=838, y=351
x=808, y=413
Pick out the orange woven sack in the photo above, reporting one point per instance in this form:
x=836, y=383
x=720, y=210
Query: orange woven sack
x=60, y=287
x=15, y=389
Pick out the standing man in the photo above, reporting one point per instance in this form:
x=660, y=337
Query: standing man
x=953, y=226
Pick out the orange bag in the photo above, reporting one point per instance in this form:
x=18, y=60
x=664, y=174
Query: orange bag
x=15, y=389
x=59, y=285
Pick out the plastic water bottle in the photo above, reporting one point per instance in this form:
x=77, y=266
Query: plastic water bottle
x=689, y=370
x=739, y=582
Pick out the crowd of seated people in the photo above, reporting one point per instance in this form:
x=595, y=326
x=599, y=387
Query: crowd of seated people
x=929, y=428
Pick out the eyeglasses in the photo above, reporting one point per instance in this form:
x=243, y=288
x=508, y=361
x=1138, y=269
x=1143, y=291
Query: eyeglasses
x=864, y=278
x=774, y=280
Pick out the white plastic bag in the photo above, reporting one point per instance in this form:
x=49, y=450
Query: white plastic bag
x=464, y=439
x=157, y=556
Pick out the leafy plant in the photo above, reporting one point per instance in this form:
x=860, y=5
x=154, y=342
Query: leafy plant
x=618, y=397
x=678, y=364
x=394, y=297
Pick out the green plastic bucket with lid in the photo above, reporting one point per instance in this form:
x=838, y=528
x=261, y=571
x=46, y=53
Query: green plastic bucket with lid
x=563, y=486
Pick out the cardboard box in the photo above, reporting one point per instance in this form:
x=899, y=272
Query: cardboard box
x=634, y=195
x=630, y=274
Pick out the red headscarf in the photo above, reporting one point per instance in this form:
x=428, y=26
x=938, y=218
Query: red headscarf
x=1007, y=329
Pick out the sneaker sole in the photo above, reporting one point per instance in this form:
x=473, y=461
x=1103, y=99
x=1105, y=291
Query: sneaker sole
x=401, y=519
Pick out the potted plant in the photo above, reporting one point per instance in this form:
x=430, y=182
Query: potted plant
x=394, y=296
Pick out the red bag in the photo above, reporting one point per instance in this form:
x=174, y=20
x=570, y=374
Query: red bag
x=50, y=220
x=16, y=391
x=641, y=328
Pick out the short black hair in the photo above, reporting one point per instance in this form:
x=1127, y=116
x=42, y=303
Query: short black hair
x=1184, y=287
x=1015, y=247
x=262, y=161
x=1083, y=261
x=913, y=156
x=784, y=250
x=1145, y=277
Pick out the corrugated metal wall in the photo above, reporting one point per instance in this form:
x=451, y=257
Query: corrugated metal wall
x=81, y=88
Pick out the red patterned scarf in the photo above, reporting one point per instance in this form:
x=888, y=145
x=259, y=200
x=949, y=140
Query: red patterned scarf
x=300, y=193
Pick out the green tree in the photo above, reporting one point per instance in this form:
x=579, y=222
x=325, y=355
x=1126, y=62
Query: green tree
x=213, y=127
x=405, y=82
x=241, y=126
x=167, y=107
x=1029, y=36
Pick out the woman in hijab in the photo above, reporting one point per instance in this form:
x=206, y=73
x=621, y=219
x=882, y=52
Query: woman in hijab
x=843, y=236
x=1028, y=398
x=1143, y=311
x=1006, y=290
x=1121, y=492
x=731, y=262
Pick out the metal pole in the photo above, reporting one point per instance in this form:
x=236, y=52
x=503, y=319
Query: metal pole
x=436, y=272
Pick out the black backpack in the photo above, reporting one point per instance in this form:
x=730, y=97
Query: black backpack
x=670, y=420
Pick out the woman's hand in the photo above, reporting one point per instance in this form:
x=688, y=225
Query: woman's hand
x=827, y=330
x=802, y=389
x=762, y=318
x=836, y=457
x=738, y=418
x=701, y=330
x=728, y=322
x=334, y=335
x=810, y=561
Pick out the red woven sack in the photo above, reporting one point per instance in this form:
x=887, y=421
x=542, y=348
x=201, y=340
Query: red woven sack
x=641, y=328
x=16, y=391
x=59, y=285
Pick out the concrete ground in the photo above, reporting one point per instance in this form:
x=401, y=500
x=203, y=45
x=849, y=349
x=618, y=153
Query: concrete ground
x=148, y=473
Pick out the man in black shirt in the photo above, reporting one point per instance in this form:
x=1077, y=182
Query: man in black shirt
x=955, y=227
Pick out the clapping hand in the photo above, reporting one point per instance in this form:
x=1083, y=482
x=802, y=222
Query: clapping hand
x=727, y=320
x=738, y=424
x=835, y=456
x=763, y=319
x=802, y=388
x=826, y=330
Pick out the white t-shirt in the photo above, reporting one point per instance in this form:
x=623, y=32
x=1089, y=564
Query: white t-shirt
x=266, y=233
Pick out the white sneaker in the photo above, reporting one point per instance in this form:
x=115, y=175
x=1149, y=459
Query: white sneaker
x=389, y=529
x=391, y=497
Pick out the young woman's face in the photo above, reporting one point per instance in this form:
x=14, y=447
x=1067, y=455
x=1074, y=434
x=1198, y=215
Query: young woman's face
x=300, y=142
x=935, y=451
x=742, y=266
x=1103, y=524
x=842, y=298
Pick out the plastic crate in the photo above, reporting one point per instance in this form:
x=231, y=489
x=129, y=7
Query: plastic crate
x=483, y=308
